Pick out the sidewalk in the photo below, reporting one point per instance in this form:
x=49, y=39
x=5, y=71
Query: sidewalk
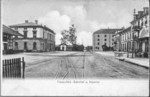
x=138, y=61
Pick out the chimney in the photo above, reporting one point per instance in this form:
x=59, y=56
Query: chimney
x=26, y=21
x=134, y=16
x=36, y=21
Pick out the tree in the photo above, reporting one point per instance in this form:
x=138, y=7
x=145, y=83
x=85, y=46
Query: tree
x=104, y=46
x=69, y=36
x=72, y=35
x=64, y=39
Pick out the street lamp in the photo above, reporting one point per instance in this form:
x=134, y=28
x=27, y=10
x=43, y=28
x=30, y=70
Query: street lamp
x=132, y=40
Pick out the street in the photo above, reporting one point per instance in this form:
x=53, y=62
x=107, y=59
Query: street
x=81, y=65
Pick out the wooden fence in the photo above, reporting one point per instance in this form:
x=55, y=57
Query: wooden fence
x=13, y=68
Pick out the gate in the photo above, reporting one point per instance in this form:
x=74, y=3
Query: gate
x=13, y=68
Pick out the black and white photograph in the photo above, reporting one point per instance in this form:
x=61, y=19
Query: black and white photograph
x=75, y=47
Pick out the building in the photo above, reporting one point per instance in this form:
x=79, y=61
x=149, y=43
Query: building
x=126, y=40
x=8, y=39
x=140, y=30
x=64, y=47
x=103, y=37
x=123, y=40
x=36, y=37
x=117, y=41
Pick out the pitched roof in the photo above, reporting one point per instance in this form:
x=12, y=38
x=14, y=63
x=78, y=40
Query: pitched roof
x=10, y=31
x=31, y=24
x=125, y=30
x=106, y=31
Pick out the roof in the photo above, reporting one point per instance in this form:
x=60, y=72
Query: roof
x=125, y=30
x=133, y=21
x=10, y=31
x=31, y=24
x=138, y=16
x=106, y=31
x=66, y=45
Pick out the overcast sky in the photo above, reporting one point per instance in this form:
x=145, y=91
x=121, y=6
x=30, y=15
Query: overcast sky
x=87, y=15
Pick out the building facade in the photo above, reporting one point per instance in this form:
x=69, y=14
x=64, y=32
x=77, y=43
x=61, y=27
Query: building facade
x=103, y=37
x=8, y=38
x=35, y=37
x=135, y=39
x=126, y=40
x=140, y=30
x=117, y=41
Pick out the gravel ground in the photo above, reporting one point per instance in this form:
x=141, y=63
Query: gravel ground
x=80, y=65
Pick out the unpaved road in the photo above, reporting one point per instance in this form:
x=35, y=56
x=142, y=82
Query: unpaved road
x=82, y=65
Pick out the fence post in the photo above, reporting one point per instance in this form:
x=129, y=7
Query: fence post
x=23, y=63
x=4, y=68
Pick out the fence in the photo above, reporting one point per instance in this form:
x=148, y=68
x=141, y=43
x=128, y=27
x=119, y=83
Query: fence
x=13, y=68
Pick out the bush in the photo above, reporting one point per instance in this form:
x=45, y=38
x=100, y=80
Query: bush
x=11, y=51
x=78, y=47
x=145, y=54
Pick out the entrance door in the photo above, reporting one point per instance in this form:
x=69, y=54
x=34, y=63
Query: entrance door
x=5, y=46
x=63, y=48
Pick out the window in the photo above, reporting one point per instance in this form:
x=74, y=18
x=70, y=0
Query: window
x=105, y=39
x=50, y=37
x=16, y=45
x=97, y=35
x=112, y=39
x=5, y=46
x=98, y=43
x=34, y=46
x=34, y=34
x=105, y=35
x=25, y=32
x=97, y=39
x=25, y=45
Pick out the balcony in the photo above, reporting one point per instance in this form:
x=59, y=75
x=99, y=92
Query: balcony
x=137, y=28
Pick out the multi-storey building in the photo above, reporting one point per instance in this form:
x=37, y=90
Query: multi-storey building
x=103, y=37
x=117, y=41
x=126, y=39
x=8, y=38
x=36, y=37
x=140, y=29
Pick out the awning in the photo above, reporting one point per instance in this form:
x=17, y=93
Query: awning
x=144, y=33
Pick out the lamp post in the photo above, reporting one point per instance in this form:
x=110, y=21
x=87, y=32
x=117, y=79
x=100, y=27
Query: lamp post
x=132, y=39
x=127, y=46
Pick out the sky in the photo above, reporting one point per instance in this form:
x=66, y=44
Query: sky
x=88, y=16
